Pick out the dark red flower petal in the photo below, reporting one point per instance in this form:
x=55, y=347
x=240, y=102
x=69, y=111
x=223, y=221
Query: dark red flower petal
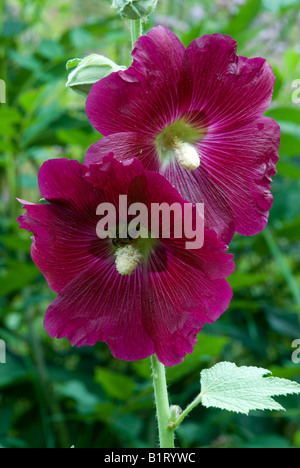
x=158, y=308
x=230, y=89
x=141, y=98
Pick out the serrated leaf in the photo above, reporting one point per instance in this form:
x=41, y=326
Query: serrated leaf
x=242, y=389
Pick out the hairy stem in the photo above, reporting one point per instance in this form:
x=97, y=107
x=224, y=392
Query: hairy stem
x=166, y=433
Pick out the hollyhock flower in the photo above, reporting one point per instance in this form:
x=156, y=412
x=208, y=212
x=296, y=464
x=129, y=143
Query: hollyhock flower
x=195, y=115
x=140, y=296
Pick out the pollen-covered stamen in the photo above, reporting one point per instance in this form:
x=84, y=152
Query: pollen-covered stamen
x=127, y=259
x=186, y=154
x=178, y=142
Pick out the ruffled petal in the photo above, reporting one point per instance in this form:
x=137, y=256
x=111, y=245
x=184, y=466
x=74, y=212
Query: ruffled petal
x=65, y=238
x=146, y=97
x=138, y=315
x=106, y=307
x=217, y=212
x=228, y=88
x=239, y=164
x=64, y=243
x=180, y=299
x=158, y=308
x=157, y=55
x=234, y=177
x=61, y=181
x=126, y=145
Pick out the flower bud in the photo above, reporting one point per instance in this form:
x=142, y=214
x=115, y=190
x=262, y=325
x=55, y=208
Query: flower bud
x=88, y=71
x=134, y=9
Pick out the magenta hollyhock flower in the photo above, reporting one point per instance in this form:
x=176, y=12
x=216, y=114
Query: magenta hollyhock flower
x=195, y=115
x=140, y=296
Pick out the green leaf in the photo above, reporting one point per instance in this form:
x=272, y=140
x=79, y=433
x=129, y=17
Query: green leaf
x=240, y=280
x=290, y=145
x=288, y=170
x=26, y=61
x=72, y=63
x=116, y=385
x=288, y=114
x=77, y=137
x=290, y=230
x=77, y=391
x=279, y=81
x=283, y=264
x=29, y=99
x=12, y=372
x=81, y=38
x=267, y=441
x=16, y=242
x=12, y=28
x=244, y=18
x=51, y=50
x=41, y=123
x=242, y=389
x=287, y=372
x=291, y=58
x=17, y=277
x=10, y=115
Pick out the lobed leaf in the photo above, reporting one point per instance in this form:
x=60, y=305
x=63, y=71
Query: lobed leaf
x=242, y=389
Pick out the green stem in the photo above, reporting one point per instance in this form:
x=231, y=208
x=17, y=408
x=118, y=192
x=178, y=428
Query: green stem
x=166, y=433
x=184, y=413
x=136, y=31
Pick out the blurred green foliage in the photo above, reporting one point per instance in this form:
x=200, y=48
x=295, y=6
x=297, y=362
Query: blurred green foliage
x=52, y=395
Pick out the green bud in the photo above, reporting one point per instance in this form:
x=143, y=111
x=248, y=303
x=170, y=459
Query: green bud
x=134, y=9
x=88, y=71
x=175, y=412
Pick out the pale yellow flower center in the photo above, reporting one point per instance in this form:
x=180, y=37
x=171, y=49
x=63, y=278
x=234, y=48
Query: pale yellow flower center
x=178, y=142
x=127, y=259
x=186, y=154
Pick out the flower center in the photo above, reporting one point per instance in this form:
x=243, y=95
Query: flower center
x=186, y=154
x=130, y=252
x=177, y=142
x=127, y=258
